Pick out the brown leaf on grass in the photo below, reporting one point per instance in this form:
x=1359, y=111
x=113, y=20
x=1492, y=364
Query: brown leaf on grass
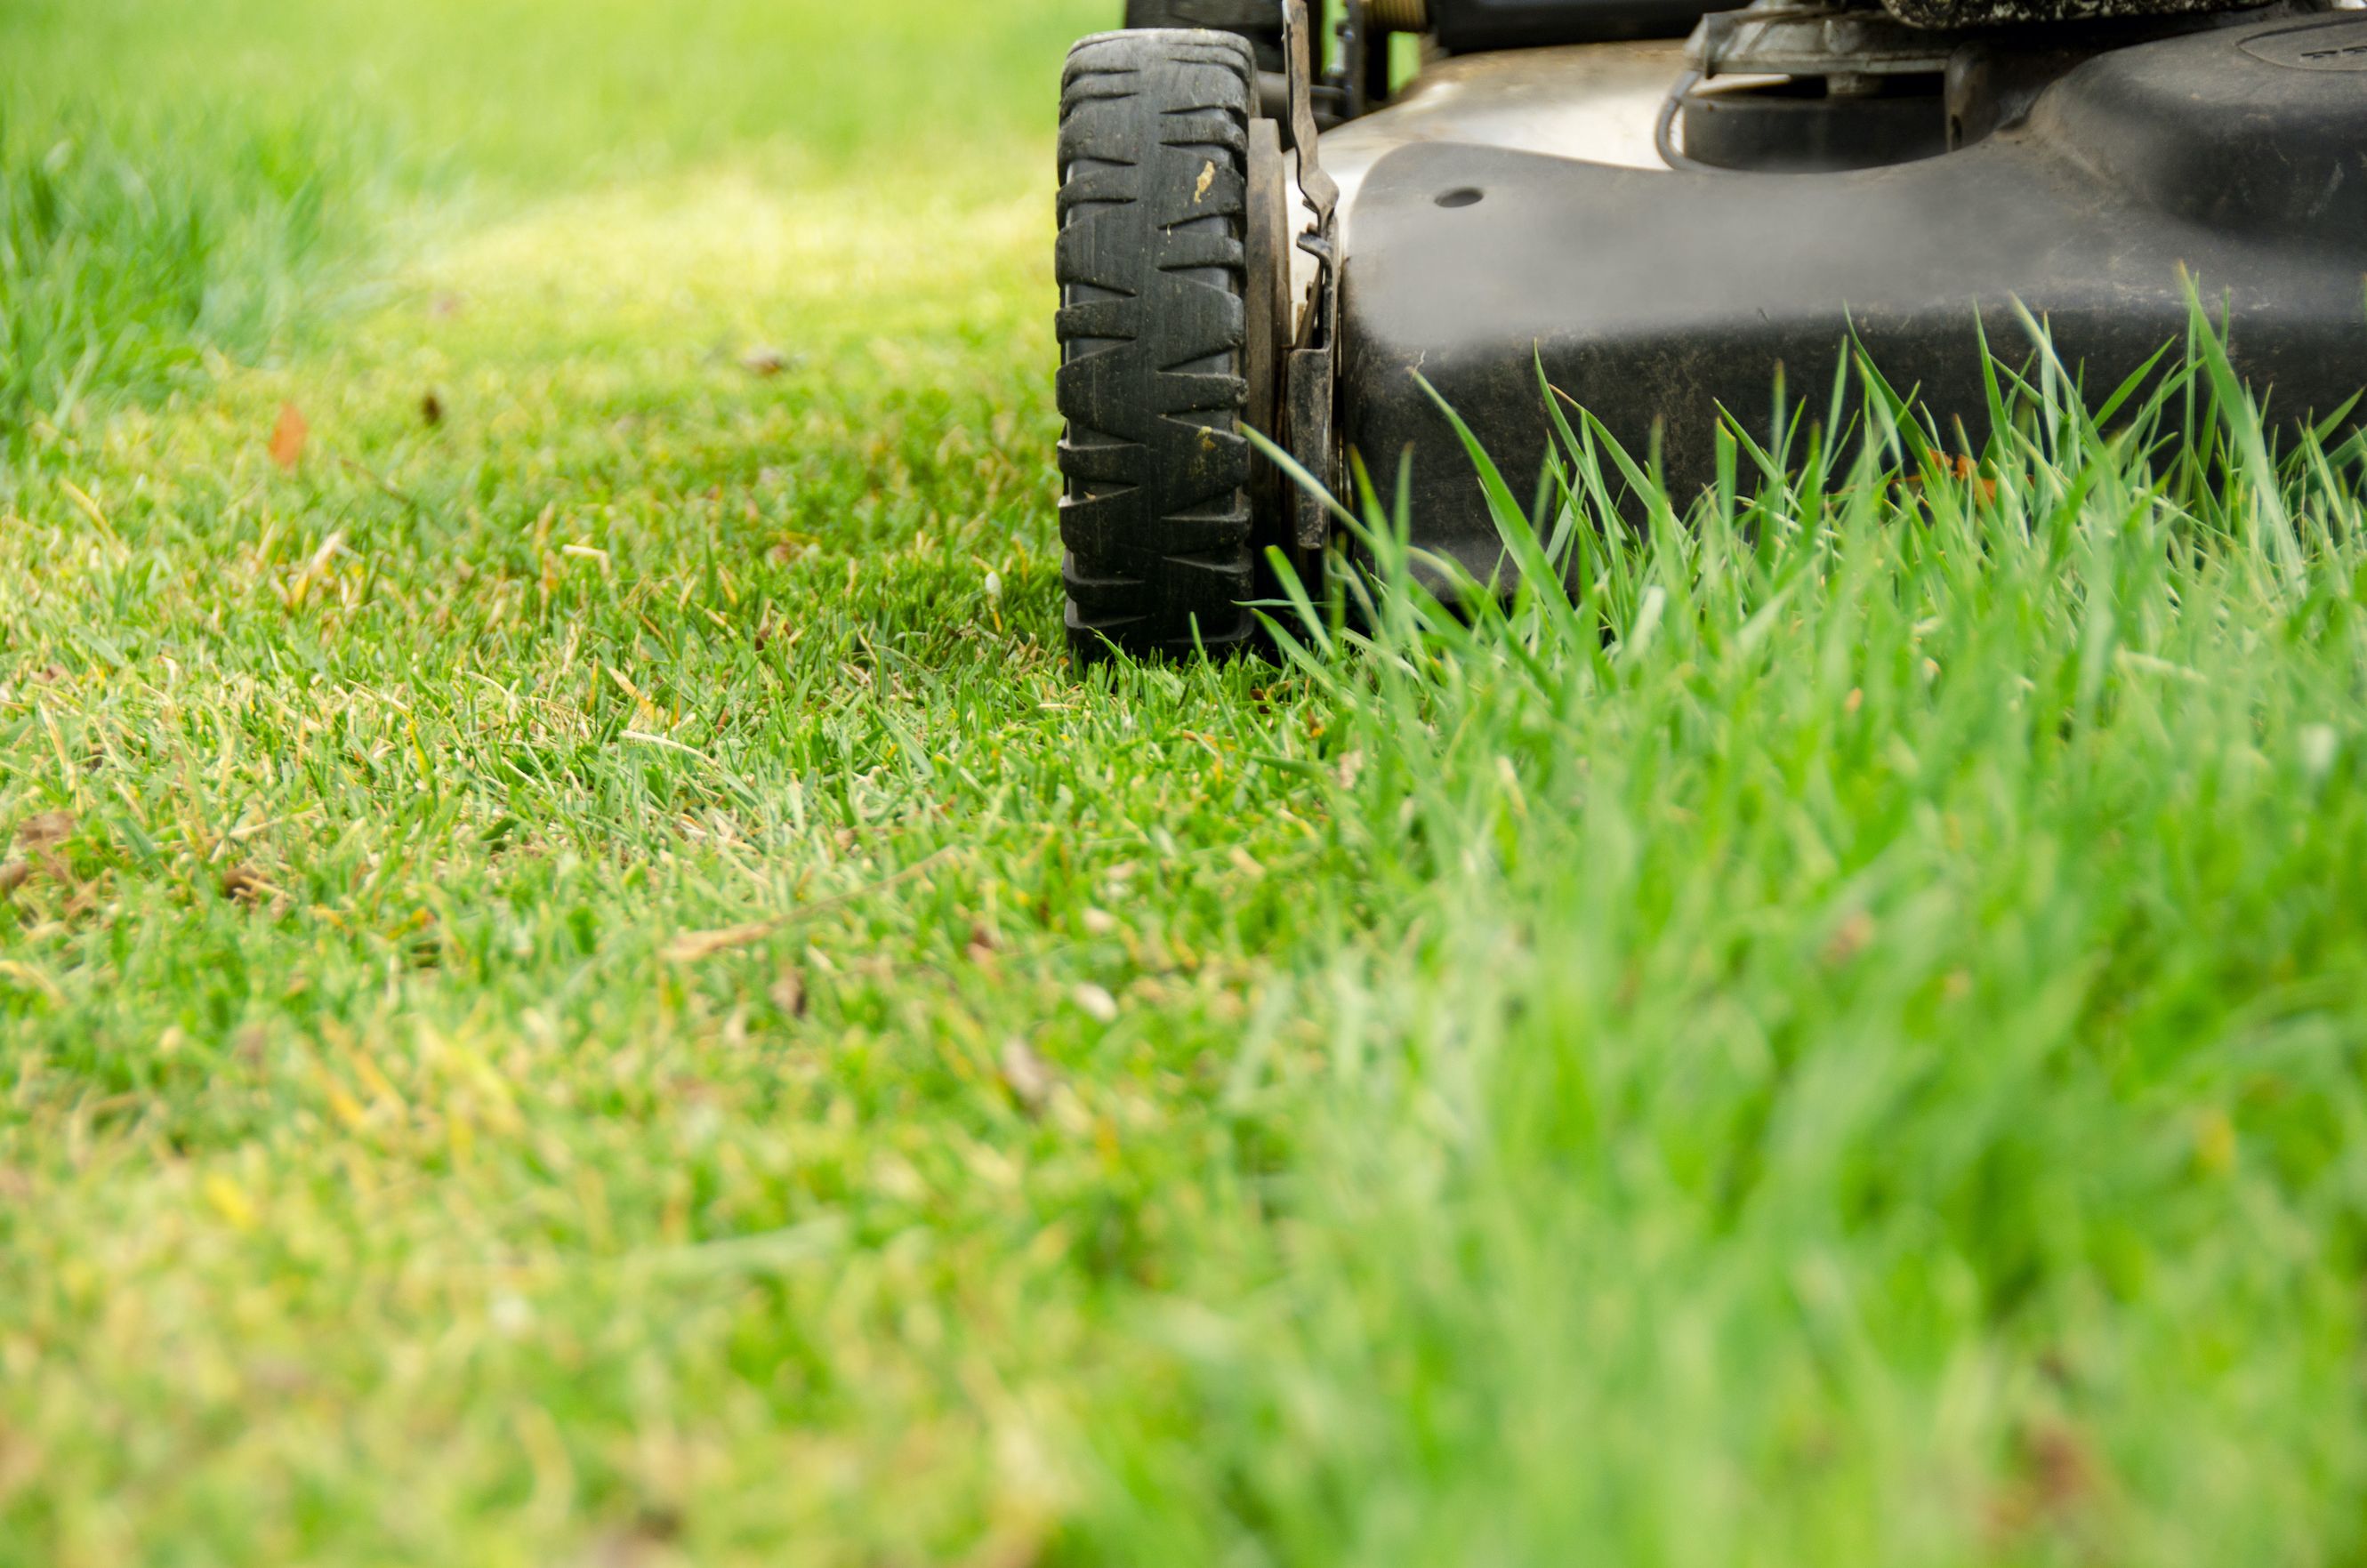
x=2061, y=1475
x=1019, y=1544
x=2064, y=1466
x=431, y=409
x=38, y=835
x=278, y=1376
x=1958, y=467
x=1849, y=939
x=1028, y=1076
x=764, y=361
x=41, y=832
x=640, y=1545
x=1966, y=468
x=692, y=946
x=287, y=437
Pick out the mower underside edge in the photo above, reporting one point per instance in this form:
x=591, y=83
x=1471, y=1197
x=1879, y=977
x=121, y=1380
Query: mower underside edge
x=2236, y=157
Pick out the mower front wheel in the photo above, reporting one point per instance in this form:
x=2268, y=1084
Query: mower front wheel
x=1165, y=344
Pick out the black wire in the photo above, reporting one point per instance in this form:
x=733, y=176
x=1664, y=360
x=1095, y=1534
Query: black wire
x=1664, y=138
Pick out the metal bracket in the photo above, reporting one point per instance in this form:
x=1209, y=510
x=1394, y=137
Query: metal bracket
x=1310, y=373
x=1322, y=191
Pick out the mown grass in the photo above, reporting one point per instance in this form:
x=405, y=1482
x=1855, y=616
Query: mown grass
x=583, y=985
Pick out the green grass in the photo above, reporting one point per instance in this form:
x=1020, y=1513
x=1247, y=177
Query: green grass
x=583, y=985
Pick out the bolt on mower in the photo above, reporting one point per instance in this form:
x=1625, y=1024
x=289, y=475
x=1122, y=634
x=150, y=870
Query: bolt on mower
x=1267, y=224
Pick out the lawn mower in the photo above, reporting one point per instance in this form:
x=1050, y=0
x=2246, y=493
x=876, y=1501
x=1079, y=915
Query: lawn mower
x=1675, y=212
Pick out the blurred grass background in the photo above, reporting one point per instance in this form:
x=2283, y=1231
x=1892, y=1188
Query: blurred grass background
x=581, y=986
x=207, y=179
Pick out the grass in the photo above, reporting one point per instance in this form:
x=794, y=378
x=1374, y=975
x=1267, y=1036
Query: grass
x=584, y=986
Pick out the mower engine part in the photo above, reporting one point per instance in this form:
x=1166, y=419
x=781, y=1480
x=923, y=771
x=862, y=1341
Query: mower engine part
x=1468, y=26
x=1399, y=16
x=1959, y=15
x=1804, y=125
x=1260, y=21
x=1810, y=85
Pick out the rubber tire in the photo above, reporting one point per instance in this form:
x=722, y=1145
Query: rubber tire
x=1155, y=514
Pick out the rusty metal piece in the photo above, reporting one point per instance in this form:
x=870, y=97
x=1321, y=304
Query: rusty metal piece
x=1298, y=48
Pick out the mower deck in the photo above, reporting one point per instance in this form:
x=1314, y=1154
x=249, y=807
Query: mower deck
x=1595, y=102
x=1654, y=299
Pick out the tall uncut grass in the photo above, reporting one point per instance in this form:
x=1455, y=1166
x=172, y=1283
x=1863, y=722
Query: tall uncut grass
x=217, y=187
x=1866, y=1062
x=134, y=247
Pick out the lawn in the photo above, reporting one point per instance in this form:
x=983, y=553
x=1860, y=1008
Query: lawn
x=582, y=984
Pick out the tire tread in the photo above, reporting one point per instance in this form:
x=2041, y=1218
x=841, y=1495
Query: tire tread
x=1152, y=324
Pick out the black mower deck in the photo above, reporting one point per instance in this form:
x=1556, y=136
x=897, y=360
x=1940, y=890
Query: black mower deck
x=2236, y=158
